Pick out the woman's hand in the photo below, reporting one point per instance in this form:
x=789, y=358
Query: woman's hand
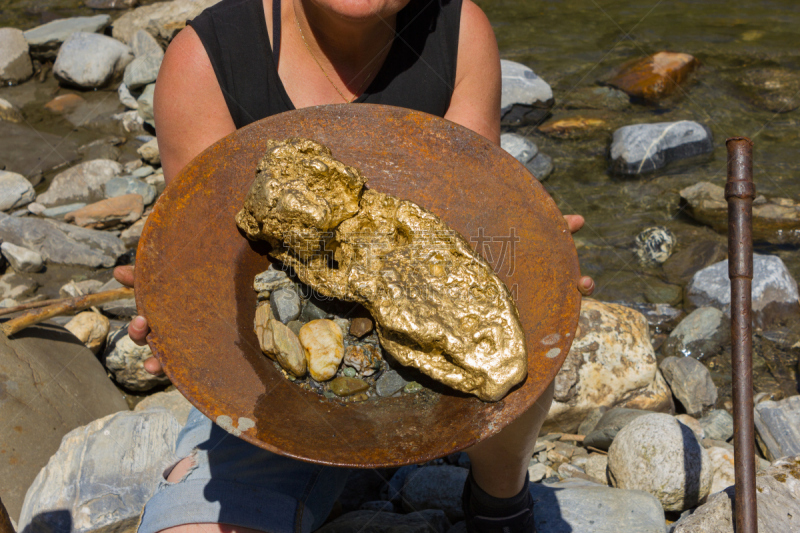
x=138, y=328
x=585, y=283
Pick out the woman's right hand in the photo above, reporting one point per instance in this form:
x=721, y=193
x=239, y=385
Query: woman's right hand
x=138, y=328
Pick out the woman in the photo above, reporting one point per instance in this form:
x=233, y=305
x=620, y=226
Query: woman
x=243, y=60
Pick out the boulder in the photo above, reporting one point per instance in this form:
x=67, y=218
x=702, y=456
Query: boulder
x=162, y=20
x=22, y=259
x=775, y=220
x=611, y=363
x=579, y=506
x=774, y=290
x=717, y=425
x=596, y=467
x=654, y=245
x=774, y=89
x=50, y=384
x=108, y=213
x=90, y=60
x=62, y=243
x=777, y=499
x=655, y=76
x=149, y=152
x=659, y=455
x=699, y=335
x=778, y=425
x=429, y=521
x=90, y=328
x=173, y=401
x=30, y=152
x=646, y=147
x=102, y=474
x=15, y=62
x=45, y=40
x=602, y=435
x=82, y=183
x=126, y=361
x=525, y=98
x=10, y=113
x=722, y=463
x=690, y=382
x=435, y=487
x=15, y=191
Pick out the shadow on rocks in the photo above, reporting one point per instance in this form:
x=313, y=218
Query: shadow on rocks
x=691, y=453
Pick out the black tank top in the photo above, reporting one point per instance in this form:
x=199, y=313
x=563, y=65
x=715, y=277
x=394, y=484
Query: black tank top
x=419, y=71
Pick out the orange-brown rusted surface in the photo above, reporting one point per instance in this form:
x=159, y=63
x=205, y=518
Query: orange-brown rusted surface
x=194, y=276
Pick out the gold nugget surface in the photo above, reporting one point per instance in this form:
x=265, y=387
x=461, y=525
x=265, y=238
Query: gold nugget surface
x=437, y=304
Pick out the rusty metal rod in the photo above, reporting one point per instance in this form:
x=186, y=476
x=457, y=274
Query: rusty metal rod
x=740, y=192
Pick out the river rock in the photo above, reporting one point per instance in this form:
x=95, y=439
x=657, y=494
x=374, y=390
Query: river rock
x=65, y=103
x=130, y=237
x=722, y=463
x=609, y=425
x=149, y=152
x=80, y=288
x=129, y=121
x=365, y=359
x=285, y=304
x=90, y=60
x=15, y=62
x=120, y=308
x=126, y=98
x=717, y=425
x=693, y=424
x=526, y=98
x=596, y=466
x=14, y=286
x=323, y=343
x=10, y=113
x=611, y=363
x=30, y=152
x=126, y=361
x=108, y=213
x=45, y=40
x=778, y=425
x=143, y=44
x=22, y=259
x=654, y=245
x=360, y=327
x=597, y=98
x=82, y=183
x=540, y=166
x=145, y=103
x=435, y=487
x=775, y=220
x=646, y=147
x=522, y=149
x=428, y=521
x=777, y=500
x=347, y=386
x=271, y=280
x=699, y=335
x=655, y=76
x=579, y=506
x=102, y=474
x=659, y=455
x=142, y=71
x=774, y=290
x=57, y=212
x=50, y=384
x=62, y=243
x=694, y=256
x=775, y=89
x=90, y=328
x=162, y=20
x=128, y=185
x=15, y=191
x=173, y=401
x=389, y=384
x=111, y=4
x=690, y=382
x=288, y=350
x=574, y=127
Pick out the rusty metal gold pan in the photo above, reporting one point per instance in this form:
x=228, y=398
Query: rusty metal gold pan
x=194, y=276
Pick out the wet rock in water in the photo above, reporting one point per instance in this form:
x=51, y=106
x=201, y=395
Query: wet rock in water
x=777, y=500
x=699, y=335
x=30, y=152
x=657, y=292
x=775, y=89
x=661, y=317
x=722, y=463
x=347, y=386
x=684, y=263
x=643, y=148
x=597, y=98
x=778, y=425
x=611, y=363
x=10, y=113
x=90, y=328
x=596, y=466
x=148, y=56
x=163, y=20
x=389, y=384
x=428, y=521
x=774, y=290
x=173, y=401
x=64, y=103
x=574, y=127
x=540, y=166
x=108, y=213
x=285, y=304
x=659, y=455
x=128, y=185
x=90, y=60
x=15, y=191
x=102, y=474
x=522, y=149
x=62, y=243
x=82, y=183
x=580, y=506
x=360, y=326
x=288, y=350
x=654, y=245
x=324, y=348
x=149, y=152
x=22, y=259
x=80, y=288
x=717, y=425
x=525, y=98
x=435, y=487
x=145, y=105
x=690, y=382
x=365, y=359
x=775, y=220
x=14, y=286
x=45, y=40
x=609, y=425
x=655, y=76
x=126, y=361
x=33, y=381
x=111, y=4
x=15, y=62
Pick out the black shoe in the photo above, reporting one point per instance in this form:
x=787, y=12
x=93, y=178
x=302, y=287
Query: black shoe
x=486, y=514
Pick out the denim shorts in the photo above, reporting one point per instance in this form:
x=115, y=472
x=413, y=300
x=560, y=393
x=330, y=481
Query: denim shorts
x=234, y=482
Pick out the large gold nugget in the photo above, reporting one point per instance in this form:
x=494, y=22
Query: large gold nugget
x=437, y=304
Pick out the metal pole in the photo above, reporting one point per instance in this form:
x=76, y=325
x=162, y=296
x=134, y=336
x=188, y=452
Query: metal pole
x=739, y=192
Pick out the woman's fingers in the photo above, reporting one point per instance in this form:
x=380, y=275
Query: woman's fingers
x=124, y=274
x=138, y=330
x=152, y=365
x=586, y=285
x=575, y=222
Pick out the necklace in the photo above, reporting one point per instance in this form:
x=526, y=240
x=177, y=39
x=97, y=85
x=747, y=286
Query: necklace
x=358, y=92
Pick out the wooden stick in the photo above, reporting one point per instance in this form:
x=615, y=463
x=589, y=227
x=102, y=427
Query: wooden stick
x=598, y=450
x=576, y=438
x=34, y=305
x=70, y=305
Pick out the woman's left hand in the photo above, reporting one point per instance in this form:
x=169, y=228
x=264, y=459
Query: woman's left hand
x=585, y=283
